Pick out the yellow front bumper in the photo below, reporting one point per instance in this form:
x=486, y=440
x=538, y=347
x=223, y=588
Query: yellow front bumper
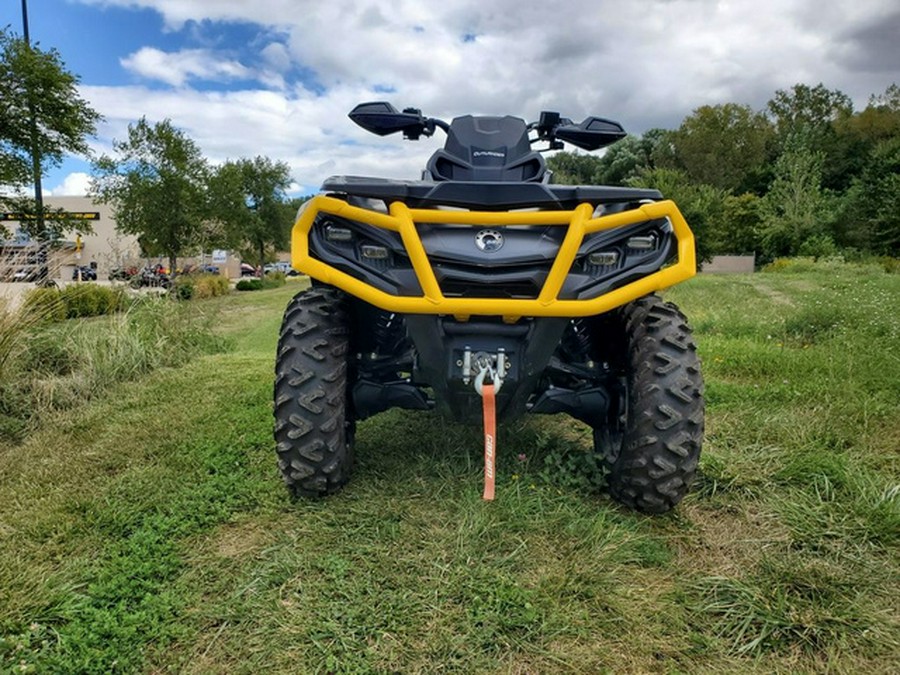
x=402, y=219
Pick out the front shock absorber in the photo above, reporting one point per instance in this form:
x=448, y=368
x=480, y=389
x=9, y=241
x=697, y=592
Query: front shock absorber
x=576, y=342
x=389, y=333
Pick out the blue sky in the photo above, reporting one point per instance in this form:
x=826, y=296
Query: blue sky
x=277, y=77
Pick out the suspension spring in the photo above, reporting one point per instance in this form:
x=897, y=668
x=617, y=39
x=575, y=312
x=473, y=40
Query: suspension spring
x=576, y=341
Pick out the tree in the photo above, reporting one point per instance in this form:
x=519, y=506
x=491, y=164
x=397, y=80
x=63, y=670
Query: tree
x=870, y=213
x=157, y=185
x=737, y=230
x=619, y=162
x=573, y=168
x=810, y=117
x=624, y=160
x=796, y=207
x=39, y=106
x=808, y=111
x=721, y=145
x=248, y=196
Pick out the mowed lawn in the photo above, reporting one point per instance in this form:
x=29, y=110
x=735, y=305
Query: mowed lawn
x=148, y=530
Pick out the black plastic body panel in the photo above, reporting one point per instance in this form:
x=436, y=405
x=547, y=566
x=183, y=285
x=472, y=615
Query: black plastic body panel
x=441, y=341
x=483, y=195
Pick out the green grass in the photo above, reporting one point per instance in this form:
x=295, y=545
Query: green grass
x=147, y=530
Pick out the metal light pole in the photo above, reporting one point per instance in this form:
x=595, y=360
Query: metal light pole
x=35, y=158
x=35, y=147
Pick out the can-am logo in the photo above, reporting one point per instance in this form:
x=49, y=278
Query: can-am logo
x=488, y=153
x=489, y=240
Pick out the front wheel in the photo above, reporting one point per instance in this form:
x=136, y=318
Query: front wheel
x=313, y=430
x=651, y=444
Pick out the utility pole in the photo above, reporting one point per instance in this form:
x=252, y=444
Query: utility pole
x=35, y=147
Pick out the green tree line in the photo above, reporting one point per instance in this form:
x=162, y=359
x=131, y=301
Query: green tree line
x=807, y=175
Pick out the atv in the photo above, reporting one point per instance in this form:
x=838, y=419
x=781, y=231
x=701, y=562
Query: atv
x=484, y=291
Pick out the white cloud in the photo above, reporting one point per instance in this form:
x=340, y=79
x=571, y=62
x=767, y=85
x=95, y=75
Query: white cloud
x=311, y=133
x=75, y=184
x=646, y=63
x=176, y=68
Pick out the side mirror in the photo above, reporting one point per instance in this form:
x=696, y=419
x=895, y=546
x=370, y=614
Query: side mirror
x=382, y=118
x=592, y=134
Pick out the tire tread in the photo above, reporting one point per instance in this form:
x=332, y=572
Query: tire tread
x=663, y=434
x=313, y=430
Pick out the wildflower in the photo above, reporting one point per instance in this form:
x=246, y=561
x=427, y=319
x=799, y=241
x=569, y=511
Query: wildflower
x=522, y=457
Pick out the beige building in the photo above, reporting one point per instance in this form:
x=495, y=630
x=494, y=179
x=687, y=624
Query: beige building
x=103, y=248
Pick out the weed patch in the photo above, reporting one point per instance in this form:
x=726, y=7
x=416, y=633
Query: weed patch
x=58, y=366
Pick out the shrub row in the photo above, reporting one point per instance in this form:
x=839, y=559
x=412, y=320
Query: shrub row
x=188, y=286
x=802, y=265
x=271, y=280
x=75, y=302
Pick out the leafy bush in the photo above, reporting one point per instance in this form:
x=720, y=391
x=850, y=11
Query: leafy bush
x=271, y=280
x=184, y=288
x=249, y=285
x=890, y=265
x=201, y=286
x=818, y=246
x=85, y=300
x=80, y=301
x=45, y=304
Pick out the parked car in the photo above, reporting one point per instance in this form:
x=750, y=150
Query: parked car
x=200, y=269
x=247, y=270
x=281, y=266
x=31, y=273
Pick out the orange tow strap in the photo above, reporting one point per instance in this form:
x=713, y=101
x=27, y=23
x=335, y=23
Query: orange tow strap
x=490, y=439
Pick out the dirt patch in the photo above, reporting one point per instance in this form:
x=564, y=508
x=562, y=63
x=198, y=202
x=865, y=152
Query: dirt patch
x=236, y=540
x=777, y=297
x=728, y=541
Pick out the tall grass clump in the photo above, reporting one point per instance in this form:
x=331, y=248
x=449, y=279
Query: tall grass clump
x=47, y=366
x=77, y=301
x=201, y=286
x=14, y=328
x=792, y=602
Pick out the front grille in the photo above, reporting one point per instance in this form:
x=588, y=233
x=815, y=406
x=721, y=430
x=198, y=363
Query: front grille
x=467, y=281
x=457, y=289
